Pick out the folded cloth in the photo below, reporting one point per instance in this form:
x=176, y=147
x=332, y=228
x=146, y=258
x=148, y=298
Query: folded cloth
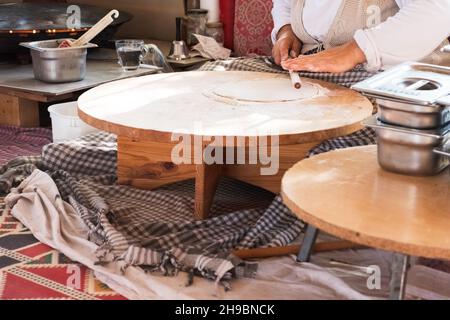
x=209, y=48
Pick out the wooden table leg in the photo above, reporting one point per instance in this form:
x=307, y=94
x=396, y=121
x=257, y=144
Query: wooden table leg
x=206, y=181
x=147, y=165
x=17, y=111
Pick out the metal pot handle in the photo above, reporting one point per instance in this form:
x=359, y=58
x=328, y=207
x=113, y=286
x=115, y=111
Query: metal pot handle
x=441, y=152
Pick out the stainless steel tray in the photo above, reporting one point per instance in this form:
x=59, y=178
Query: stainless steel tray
x=408, y=151
x=419, y=83
x=413, y=116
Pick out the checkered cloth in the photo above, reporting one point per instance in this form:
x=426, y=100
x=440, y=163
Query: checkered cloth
x=156, y=229
x=16, y=141
x=17, y=170
x=266, y=64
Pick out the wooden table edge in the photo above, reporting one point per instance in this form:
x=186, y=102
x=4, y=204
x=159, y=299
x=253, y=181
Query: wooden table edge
x=35, y=95
x=166, y=137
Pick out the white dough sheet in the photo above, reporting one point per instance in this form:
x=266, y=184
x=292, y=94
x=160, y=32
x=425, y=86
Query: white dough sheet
x=57, y=225
x=265, y=91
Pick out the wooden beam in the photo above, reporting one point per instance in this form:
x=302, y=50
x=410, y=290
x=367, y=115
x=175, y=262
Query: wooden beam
x=251, y=173
x=148, y=165
x=35, y=96
x=18, y=111
x=294, y=249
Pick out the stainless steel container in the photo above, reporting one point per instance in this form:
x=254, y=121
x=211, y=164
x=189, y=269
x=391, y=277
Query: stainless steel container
x=409, y=151
x=413, y=116
x=411, y=82
x=57, y=65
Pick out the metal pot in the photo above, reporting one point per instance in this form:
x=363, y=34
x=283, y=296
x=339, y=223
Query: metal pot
x=409, y=151
x=413, y=116
x=58, y=65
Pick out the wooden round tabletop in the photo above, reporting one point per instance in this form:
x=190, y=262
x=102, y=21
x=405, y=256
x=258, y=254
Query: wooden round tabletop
x=225, y=104
x=347, y=194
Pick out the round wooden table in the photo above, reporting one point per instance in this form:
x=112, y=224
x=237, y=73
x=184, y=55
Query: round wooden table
x=348, y=195
x=151, y=116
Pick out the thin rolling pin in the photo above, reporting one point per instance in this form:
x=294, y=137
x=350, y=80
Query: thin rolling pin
x=294, y=249
x=295, y=78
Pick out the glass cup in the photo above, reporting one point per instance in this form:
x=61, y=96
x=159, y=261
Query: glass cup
x=130, y=53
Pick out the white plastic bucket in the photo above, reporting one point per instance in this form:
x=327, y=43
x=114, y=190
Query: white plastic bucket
x=66, y=125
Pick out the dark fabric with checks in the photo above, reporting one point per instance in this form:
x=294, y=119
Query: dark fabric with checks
x=265, y=64
x=77, y=158
x=156, y=229
x=17, y=170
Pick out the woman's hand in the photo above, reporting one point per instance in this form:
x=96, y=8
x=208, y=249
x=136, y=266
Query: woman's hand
x=334, y=60
x=287, y=45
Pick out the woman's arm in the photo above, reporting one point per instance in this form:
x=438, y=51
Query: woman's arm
x=412, y=34
x=286, y=44
x=281, y=13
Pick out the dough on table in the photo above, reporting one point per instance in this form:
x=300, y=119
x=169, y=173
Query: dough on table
x=267, y=90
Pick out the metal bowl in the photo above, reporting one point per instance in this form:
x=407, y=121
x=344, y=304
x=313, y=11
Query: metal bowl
x=58, y=65
x=408, y=151
x=412, y=115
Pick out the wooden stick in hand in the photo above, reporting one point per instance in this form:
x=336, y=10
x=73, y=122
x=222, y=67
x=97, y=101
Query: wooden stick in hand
x=93, y=31
x=295, y=79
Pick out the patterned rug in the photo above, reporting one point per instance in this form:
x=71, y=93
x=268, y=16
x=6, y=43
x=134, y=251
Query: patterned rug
x=28, y=268
x=32, y=270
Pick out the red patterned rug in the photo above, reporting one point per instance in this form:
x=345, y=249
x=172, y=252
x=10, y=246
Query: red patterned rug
x=32, y=270
x=28, y=268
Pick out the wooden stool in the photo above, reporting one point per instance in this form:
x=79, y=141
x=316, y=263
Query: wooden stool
x=346, y=193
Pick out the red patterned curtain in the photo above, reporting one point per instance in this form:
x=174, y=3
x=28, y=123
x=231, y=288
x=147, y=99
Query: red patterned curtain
x=253, y=27
x=247, y=26
x=227, y=9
